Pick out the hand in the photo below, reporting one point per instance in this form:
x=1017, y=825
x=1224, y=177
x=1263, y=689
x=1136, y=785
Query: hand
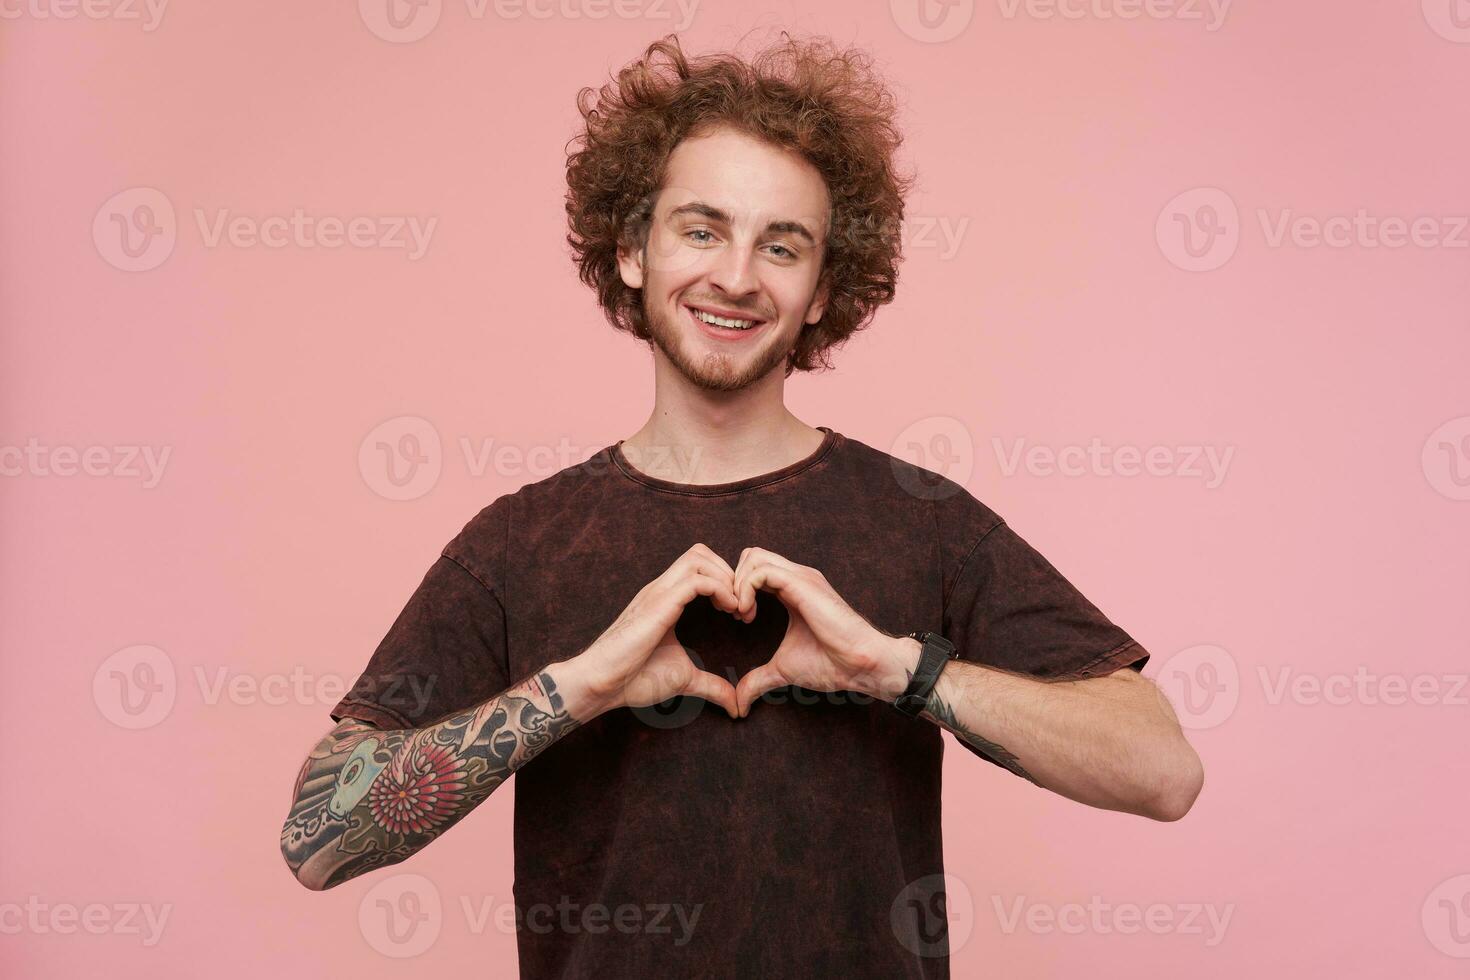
x=828, y=646
x=637, y=661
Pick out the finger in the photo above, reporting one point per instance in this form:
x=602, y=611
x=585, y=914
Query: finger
x=701, y=559
x=735, y=584
x=738, y=612
x=766, y=574
x=748, y=582
x=717, y=567
x=714, y=557
x=755, y=684
x=743, y=589
x=702, y=583
x=713, y=689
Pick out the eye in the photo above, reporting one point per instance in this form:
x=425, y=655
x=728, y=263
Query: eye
x=788, y=254
x=699, y=231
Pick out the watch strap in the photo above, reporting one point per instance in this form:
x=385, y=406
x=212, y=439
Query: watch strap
x=937, y=651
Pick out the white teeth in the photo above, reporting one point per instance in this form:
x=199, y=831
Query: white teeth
x=720, y=321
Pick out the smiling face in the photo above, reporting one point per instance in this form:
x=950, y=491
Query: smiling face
x=732, y=267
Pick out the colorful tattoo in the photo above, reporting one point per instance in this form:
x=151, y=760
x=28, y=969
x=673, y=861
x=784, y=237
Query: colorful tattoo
x=367, y=798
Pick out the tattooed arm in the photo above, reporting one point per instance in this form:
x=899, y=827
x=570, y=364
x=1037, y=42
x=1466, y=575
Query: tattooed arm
x=1112, y=742
x=367, y=798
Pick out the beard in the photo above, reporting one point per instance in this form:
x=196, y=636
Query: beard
x=714, y=370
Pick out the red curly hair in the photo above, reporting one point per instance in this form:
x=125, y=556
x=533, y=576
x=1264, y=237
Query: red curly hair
x=805, y=95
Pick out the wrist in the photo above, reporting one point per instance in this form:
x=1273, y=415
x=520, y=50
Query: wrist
x=898, y=661
x=582, y=697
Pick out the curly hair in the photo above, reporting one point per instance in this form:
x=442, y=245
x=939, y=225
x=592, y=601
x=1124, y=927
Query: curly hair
x=809, y=96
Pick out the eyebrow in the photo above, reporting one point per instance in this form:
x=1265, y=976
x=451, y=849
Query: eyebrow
x=786, y=227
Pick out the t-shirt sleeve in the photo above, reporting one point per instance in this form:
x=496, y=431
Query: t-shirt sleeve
x=446, y=651
x=1010, y=608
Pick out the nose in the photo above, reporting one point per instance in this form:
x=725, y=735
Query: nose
x=734, y=271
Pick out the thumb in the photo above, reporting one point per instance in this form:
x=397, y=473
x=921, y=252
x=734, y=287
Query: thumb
x=756, y=683
x=713, y=689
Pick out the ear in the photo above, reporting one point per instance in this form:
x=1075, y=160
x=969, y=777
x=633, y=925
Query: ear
x=818, y=304
x=630, y=266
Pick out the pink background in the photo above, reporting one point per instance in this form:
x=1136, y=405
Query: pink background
x=1330, y=830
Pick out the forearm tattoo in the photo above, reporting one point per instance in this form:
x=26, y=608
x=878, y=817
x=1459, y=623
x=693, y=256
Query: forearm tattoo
x=943, y=713
x=366, y=798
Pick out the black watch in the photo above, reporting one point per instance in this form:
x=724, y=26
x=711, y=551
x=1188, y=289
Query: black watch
x=937, y=652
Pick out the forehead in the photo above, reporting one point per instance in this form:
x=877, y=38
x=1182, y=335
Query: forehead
x=751, y=179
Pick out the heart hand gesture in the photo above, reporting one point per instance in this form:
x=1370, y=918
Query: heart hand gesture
x=829, y=646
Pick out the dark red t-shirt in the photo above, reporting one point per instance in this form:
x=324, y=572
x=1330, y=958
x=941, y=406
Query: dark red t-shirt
x=785, y=844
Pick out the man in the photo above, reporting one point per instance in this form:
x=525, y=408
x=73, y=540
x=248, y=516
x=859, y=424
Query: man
x=694, y=646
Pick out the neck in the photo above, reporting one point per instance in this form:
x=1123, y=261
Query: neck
x=703, y=437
